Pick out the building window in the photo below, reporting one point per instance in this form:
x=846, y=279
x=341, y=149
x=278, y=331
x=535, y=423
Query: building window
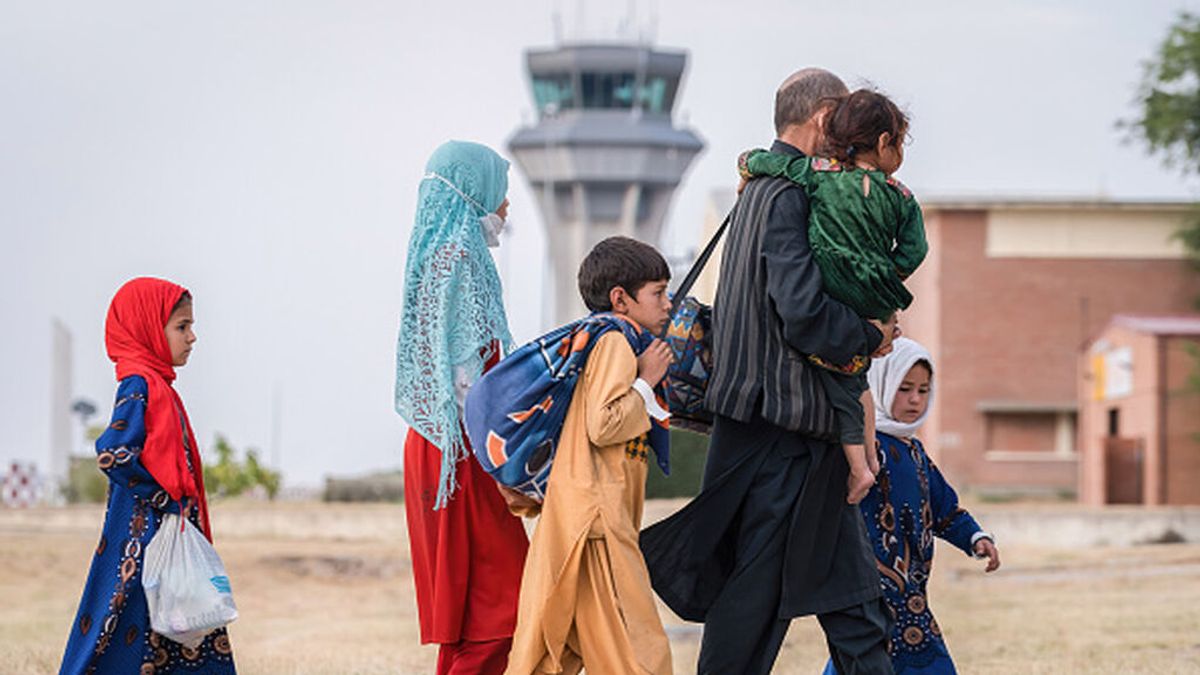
x=658, y=94
x=553, y=93
x=1014, y=433
x=1020, y=432
x=607, y=90
x=1114, y=422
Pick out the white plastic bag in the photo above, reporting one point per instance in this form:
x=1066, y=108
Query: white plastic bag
x=187, y=590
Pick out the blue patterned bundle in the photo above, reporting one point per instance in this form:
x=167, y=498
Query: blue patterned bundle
x=515, y=412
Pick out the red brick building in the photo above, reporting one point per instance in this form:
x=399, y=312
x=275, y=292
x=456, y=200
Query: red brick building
x=1139, y=415
x=1011, y=293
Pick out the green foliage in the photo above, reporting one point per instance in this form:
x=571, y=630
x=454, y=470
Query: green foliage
x=1168, y=120
x=689, y=450
x=228, y=477
x=86, y=483
x=1189, y=234
x=1193, y=381
x=1169, y=97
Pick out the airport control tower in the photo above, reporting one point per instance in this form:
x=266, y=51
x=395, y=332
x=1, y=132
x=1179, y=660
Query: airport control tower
x=604, y=157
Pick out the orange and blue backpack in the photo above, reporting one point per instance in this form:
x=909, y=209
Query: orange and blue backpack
x=514, y=414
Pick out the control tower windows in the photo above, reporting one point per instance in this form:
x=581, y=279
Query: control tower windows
x=603, y=91
x=553, y=92
x=607, y=90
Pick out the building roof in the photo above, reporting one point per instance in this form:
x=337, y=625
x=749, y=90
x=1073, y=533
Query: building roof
x=607, y=57
x=606, y=129
x=1188, y=324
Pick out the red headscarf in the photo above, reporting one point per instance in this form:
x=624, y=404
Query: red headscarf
x=136, y=339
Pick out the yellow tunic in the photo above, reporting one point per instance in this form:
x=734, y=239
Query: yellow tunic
x=586, y=598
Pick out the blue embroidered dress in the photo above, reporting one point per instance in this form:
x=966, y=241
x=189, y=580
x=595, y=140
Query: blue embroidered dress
x=111, y=632
x=910, y=504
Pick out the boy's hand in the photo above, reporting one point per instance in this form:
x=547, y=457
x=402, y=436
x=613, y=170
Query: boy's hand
x=985, y=547
x=653, y=363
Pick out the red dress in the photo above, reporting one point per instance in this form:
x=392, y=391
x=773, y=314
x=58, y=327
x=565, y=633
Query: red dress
x=467, y=556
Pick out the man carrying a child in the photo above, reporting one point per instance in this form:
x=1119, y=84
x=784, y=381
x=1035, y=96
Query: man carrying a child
x=771, y=535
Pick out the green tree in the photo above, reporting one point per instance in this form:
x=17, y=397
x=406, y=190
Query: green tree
x=86, y=483
x=689, y=450
x=260, y=475
x=228, y=477
x=1168, y=119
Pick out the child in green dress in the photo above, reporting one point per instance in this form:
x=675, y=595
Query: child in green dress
x=866, y=234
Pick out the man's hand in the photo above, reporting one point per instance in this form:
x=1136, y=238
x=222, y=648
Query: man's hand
x=873, y=459
x=985, y=547
x=890, y=330
x=518, y=502
x=653, y=363
x=858, y=484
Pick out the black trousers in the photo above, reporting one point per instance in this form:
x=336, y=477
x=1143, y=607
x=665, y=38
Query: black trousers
x=743, y=630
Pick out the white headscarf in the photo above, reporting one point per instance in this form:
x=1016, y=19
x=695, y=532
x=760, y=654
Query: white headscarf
x=885, y=377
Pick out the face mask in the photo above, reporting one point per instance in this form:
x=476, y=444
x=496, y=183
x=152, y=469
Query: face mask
x=493, y=225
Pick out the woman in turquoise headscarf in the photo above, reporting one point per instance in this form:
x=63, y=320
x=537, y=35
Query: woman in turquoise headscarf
x=468, y=551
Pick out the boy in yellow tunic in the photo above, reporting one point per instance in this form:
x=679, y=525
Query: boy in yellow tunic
x=586, y=600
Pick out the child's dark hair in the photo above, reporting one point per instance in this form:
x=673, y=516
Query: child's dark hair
x=185, y=299
x=858, y=119
x=619, y=261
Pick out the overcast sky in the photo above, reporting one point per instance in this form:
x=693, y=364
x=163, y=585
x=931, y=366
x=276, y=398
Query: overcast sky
x=267, y=154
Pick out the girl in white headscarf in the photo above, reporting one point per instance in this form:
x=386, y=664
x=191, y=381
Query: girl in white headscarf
x=910, y=504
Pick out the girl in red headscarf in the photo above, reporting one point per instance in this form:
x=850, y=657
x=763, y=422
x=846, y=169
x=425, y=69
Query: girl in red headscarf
x=153, y=465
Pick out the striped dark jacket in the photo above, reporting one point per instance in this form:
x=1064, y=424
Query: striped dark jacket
x=763, y=327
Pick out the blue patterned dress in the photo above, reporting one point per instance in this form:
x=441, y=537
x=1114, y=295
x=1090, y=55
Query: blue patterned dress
x=111, y=632
x=910, y=504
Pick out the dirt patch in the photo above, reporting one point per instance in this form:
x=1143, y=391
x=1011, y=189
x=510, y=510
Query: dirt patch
x=338, y=567
x=1168, y=536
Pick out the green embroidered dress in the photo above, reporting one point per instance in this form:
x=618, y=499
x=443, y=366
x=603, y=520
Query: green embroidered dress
x=865, y=228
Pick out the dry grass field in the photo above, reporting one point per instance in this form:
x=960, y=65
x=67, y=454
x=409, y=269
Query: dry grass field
x=327, y=589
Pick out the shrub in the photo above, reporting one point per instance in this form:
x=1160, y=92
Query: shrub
x=688, y=453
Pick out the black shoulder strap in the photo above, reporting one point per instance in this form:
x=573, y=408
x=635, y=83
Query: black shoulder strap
x=693, y=274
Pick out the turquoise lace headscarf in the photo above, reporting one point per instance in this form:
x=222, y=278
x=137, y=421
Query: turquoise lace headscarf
x=453, y=307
